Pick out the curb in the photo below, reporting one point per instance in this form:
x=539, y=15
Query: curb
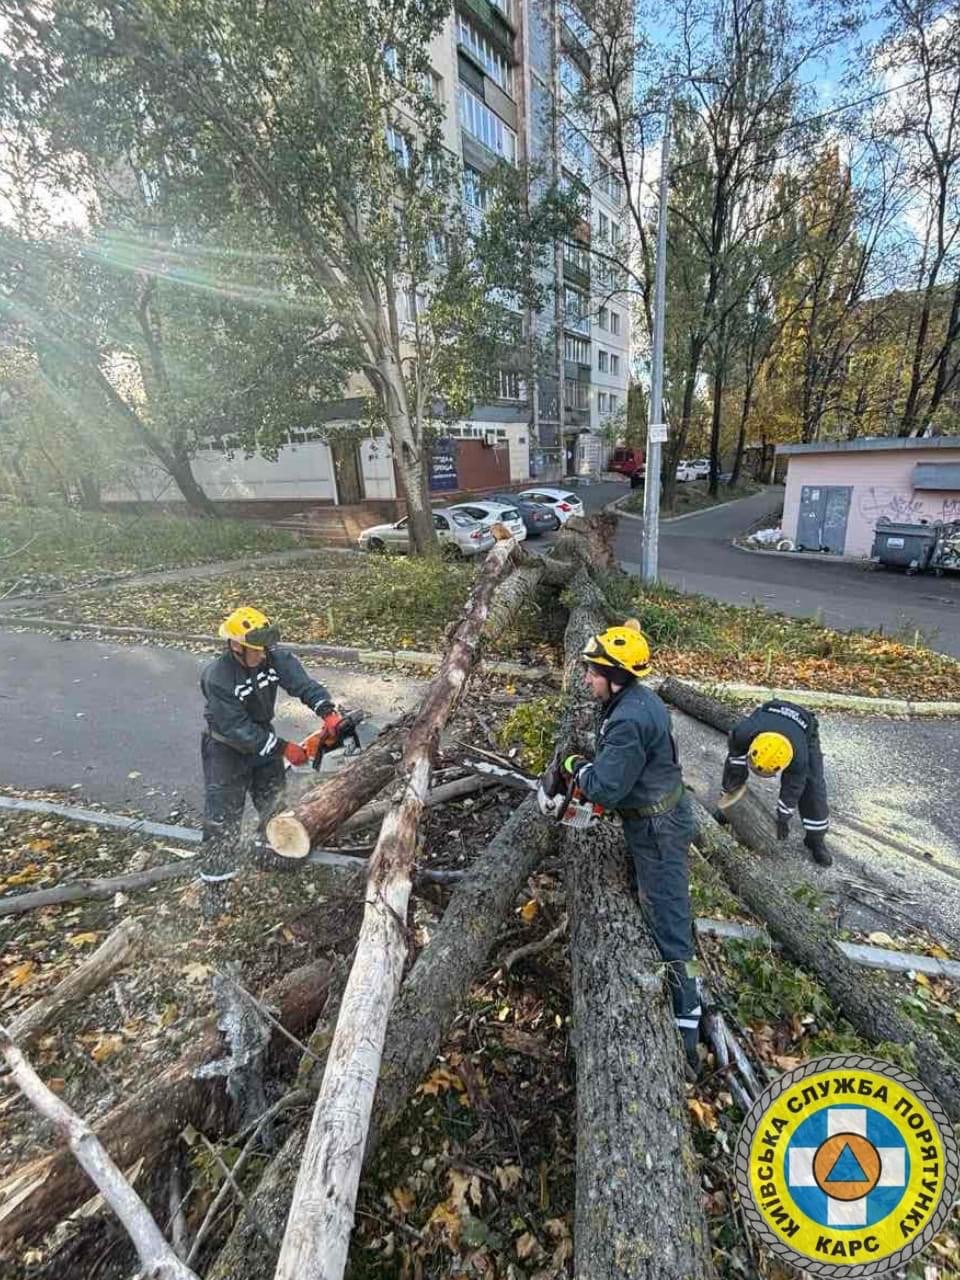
x=360, y=657
x=614, y=505
x=835, y=701
x=864, y=561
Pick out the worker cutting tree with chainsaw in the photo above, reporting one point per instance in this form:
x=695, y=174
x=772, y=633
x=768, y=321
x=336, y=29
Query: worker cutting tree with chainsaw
x=783, y=738
x=240, y=750
x=636, y=774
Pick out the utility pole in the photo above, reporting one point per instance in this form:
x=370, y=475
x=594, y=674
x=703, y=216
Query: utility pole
x=656, y=428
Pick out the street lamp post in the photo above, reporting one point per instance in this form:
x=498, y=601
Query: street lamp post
x=656, y=428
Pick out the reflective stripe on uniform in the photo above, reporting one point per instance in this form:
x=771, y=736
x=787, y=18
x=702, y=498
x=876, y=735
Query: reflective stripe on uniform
x=688, y=1020
x=784, y=809
x=813, y=824
x=268, y=746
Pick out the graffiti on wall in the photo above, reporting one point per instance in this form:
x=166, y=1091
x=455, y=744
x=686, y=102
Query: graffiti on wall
x=885, y=503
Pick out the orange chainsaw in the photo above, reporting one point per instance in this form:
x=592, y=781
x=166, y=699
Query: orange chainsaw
x=337, y=729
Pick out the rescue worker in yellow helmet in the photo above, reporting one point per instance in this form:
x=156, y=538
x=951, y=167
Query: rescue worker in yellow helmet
x=636, y=773
x=784, y=738
x=240, y=751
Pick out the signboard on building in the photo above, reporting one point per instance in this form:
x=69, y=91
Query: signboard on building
x=443, y=465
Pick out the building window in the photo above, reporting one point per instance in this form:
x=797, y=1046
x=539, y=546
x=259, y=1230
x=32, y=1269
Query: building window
x=502, y=5
x=391, y=61
x=574, y=256
x=576, y=394
x=614, y=363
x=474, y=189
x=614, y=322
x=603, y=318
x=603, y=361
x=616, y=233
x=614, y=402
x=507, y=386
x=602, y=401
x=571, y=77
x=576, y=350
x=575, y=310
x=485, y=126
x=398, y=144
x=433, y=85
x=603, y=226
x=480, y=48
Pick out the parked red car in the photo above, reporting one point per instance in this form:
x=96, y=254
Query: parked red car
x=628, y=461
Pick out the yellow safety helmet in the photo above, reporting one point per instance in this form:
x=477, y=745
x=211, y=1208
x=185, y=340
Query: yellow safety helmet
x=769, y=753
x=250, y=627
x=625, y=647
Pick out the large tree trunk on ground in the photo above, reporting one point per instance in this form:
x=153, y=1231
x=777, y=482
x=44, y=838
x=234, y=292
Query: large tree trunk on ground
x=699, y=705
x=429, y=999
x=863, y=1000
x=751, y=820
x=35, y=1197
x=638, y=1200
x=317, y=1237
x=321, y=811
x=112, y=954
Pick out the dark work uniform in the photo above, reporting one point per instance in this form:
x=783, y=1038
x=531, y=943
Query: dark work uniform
x=802, y=784
x=636, y=773
x=239, y=748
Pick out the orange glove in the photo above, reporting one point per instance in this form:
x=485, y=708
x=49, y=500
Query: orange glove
x=293, y=753
x=312, y=744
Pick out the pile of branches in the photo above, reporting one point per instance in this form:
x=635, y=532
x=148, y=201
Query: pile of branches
x=367, y=1038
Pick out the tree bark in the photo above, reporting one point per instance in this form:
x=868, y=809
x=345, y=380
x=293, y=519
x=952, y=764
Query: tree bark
x=699, y=705
x=317, y=1237
x=112, y=954
x=321, y=811
x=82, y=890
x=373, y=814
x=864, y=1001
x=428, y=1001
x=751, y=820
x=38, y=1195
x=638, y=1211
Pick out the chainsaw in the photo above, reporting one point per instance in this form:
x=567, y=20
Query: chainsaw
x=338, y=730
x=558, y=797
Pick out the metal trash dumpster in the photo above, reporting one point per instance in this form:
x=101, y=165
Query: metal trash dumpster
x=904, y=546
x=946, y=553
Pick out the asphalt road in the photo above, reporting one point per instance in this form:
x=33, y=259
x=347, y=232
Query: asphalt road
x=696, y=554
x=121, y=724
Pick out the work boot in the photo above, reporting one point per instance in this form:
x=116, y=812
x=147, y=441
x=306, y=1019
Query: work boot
x=818, y=849
x=213, y=900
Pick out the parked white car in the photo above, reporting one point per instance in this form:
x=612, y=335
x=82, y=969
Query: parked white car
x=458, y=534
x=491, y=513
x=693, y=469
x=562, y=501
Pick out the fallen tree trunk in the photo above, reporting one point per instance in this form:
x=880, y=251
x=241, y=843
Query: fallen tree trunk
x=35, y=1197
x=752, y=821
x=321, y=811
x=865, y=1002
x=639, y=1213
x=317, y=1237
x=84, y=890
x=429, y=999
x=112, y=954
x=699, y=705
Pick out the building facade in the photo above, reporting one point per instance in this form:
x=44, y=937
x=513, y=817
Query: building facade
x=836, y=492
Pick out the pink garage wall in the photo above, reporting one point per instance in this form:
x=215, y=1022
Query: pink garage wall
x=882, y=489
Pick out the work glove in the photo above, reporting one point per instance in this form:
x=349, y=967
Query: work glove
x=332, y=720
x=294, y=754
x=571, y=764
x=550, y=805
x=323, y=709
x=783, y=826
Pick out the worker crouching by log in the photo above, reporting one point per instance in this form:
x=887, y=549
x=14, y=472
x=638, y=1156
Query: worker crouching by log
x=784, y=738
x=240, y=751
x=636, y=773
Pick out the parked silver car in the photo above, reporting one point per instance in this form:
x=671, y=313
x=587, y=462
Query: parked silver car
x=458, y=534
x=487, y=513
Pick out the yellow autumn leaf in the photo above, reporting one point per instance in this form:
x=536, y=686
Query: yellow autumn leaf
x=29, y=872
x=444, y=1221
x=941, y=953
x=20, y=974
x=529, y=910
x=82, y=939
x=921, y=980
x=40, y=846
x=703, y=1113
x=106, y=1046
x=401, y=1199
x=440, y=1081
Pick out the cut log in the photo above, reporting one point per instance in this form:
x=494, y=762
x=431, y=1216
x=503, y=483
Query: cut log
x=113, y=953
x=751, y=820
x=638, y=1210
x=699, y=705
x=321, y=811
x=35, y=1197
x=317, y=1237
x=429, y=999
x=808, y=940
